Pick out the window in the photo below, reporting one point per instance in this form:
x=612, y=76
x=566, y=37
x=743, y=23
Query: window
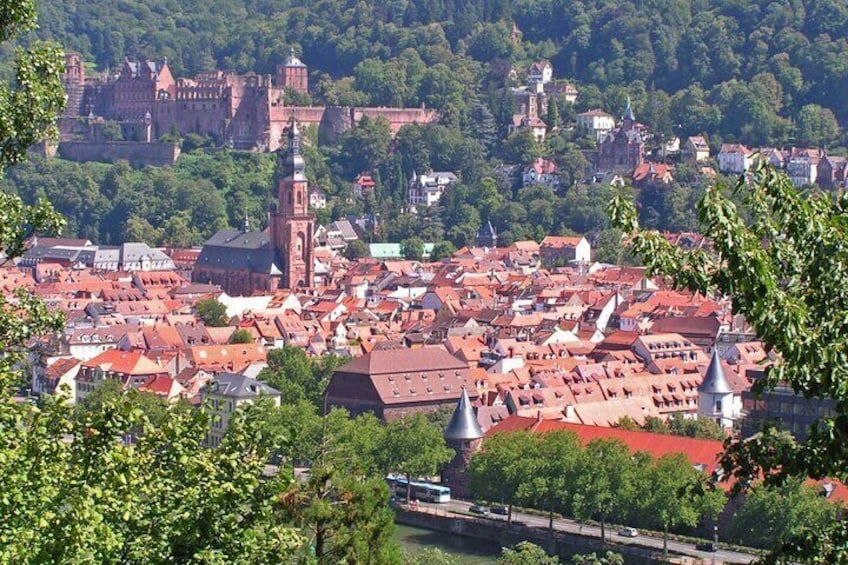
x=718, y=406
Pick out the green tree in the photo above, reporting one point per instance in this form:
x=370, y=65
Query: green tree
x=297, y=376
x=817, y=126
x=672, y=494
x=573, y=166
x=413, y=447
x=608, y=558
x=412, y=249
x=771, y=516
x=442, y=250
x=139, y=229
x=28, y=106
x=790, y=290
x=550, y=472
x=497, y=472
x=430, y=556
x=702, y=428
x=526, y=553
x=212, y=312
x=365, y=147
x=521, y=147
x=346, y=517
x=604, y=485
x=241, y=335
x=356, y=249
x=177, y=232
x=552, y=115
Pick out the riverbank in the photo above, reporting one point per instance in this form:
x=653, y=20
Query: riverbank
x=468, y=550
x=568, y=538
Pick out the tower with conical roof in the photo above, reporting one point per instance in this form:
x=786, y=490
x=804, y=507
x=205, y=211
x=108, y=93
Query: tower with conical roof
x=464, y=436
x=292, y=225
x=715, y=395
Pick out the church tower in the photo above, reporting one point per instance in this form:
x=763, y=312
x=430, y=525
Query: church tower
x=629, y=117
x=292, y=226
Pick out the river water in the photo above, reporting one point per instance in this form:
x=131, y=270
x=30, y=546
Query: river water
x=468, y=550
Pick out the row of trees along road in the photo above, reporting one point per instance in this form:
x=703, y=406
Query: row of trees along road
x=782, y=257
x=602, y=481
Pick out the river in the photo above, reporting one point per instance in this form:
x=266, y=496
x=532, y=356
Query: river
x=470, y=551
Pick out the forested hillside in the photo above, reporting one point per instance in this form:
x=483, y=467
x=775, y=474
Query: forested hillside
x=758, y=72
x=730, y=67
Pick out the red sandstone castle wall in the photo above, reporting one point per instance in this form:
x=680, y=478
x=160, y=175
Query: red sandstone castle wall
x=138, y=154
x=397, y=117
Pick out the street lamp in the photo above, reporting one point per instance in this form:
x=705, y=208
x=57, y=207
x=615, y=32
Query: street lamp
x=715, y=541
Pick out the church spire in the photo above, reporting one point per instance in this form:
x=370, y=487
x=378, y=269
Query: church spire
x=628, y=111
x=295, y=166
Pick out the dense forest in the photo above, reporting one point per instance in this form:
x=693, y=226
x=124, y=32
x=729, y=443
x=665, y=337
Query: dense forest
x=760, y=72
x=737, y=69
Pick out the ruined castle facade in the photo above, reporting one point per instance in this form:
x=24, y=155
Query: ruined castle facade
x=242, y=111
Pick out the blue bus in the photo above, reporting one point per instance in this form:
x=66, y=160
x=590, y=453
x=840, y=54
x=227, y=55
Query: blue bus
x=427, y=492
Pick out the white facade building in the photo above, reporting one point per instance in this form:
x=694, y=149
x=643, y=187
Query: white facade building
x=427, y=189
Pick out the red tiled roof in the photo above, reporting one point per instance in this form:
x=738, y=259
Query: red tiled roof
x=697, y=451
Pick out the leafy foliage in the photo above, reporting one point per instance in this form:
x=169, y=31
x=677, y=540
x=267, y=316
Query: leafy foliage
x=241, y=335
x=212, y=312
x=300, y=377
x=602, y=481
x=771, y=516
x=784, y=270
x=608, y=558
x=526, y=553
x=413, y=447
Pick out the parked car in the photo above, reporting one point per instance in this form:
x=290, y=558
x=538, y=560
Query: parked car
x=629, y=532
x=479, y=509
x=707, y=546
x=501, y=509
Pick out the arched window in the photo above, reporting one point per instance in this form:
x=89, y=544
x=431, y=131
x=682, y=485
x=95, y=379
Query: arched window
x=300, y=198
x=301, y=246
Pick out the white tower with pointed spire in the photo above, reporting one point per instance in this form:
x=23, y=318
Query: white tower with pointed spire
x=715, y=395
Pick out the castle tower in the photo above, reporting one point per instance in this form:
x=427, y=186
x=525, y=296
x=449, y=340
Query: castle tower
x=715, y=396
x=292, y=226
x=73, y=80
x=293, y=74
x=464, y=435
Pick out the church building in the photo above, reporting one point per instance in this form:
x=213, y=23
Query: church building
x=243, y=262
x=624, y=147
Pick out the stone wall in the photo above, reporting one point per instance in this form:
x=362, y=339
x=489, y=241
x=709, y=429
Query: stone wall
x=138, y=154
x=561, y=543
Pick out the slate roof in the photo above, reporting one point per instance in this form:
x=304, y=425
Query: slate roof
x=239, y=386
x=463, y=424
x=235, y=249
x=715, y=381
